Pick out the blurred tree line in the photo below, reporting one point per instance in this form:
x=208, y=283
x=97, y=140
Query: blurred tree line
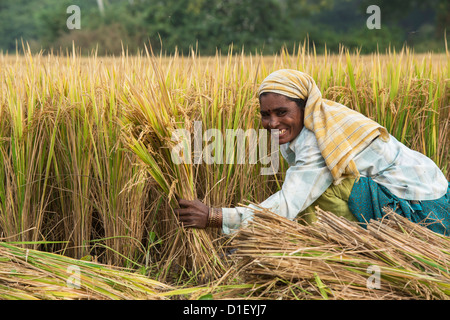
x=209, y=25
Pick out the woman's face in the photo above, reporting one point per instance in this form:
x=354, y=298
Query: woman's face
x=278, y=112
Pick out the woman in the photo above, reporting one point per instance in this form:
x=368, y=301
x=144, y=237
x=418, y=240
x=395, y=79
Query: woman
x=339, y=160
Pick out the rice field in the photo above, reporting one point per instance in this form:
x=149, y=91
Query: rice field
x=86, y=169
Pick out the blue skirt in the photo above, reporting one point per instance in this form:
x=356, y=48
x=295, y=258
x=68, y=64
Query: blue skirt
x=368, y=199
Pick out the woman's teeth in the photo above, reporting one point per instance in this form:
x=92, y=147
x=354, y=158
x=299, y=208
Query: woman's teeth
x=279, y=132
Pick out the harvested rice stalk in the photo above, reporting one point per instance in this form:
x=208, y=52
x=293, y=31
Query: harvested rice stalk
x=35, y=275
x=338, y=259
x=154, y=117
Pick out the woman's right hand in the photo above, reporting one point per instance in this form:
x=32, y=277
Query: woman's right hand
x=193, y=213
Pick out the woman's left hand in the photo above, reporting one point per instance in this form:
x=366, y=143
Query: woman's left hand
x=193, y=213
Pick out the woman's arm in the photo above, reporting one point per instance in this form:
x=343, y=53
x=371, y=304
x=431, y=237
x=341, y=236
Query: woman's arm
x=306, y=179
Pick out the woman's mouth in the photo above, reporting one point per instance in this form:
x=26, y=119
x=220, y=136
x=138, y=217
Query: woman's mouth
x=280, y=133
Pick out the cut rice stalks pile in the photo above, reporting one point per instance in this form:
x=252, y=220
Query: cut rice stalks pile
x=27, y=274
x=337, y=259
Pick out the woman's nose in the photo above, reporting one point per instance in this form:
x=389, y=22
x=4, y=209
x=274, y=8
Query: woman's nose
x=273, y=123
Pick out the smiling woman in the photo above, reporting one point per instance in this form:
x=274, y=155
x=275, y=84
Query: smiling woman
x=338, y=160
x=281, y=113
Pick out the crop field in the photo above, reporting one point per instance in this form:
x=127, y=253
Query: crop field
x=87, y=169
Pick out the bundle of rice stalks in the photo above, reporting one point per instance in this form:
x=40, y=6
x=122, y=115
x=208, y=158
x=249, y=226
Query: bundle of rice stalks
x=154, y=116
x=337, y=259
x=35, y=275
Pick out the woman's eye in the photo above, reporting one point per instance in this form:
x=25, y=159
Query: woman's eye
x=281, y=113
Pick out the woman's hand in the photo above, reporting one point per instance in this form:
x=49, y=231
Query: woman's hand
x=193, y=213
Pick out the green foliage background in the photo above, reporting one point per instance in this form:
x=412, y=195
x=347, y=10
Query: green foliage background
x=209, y=25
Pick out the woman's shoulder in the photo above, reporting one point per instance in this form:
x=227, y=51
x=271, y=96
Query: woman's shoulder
x=305, y=149
x=305, y=137
x=392, y=148
x=394, y=155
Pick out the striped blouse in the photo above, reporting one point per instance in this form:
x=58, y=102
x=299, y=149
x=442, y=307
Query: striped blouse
x=406, y=173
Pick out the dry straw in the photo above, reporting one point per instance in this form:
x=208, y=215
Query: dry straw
x=27, y=274
x=338, y=259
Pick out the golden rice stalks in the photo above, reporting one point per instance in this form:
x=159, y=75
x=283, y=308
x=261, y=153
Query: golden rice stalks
x=34, y=275
x=337, y=259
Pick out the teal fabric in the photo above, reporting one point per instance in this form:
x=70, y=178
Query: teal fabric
x=368, y=199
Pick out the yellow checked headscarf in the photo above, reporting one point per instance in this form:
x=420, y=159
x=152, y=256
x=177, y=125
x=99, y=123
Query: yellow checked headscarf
x=341, y=132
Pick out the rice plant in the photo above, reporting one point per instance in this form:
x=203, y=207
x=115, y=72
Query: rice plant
x=85, y=144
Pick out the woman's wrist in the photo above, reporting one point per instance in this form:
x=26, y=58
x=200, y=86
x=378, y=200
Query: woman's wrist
x=214, y=218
